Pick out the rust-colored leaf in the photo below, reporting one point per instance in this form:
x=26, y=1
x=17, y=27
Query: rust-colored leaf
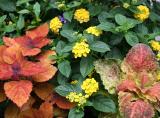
x=45, y=57
x=45, y=111
x=43, y=90
x=141, y=57
x=40, y=31
x=49, y=72
x=28, y=104
x=11, y=111
x=60, y=101
x=2, y=94
x=18, y=91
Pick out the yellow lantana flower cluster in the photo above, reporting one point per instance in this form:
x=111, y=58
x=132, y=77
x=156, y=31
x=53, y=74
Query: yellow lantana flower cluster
x=94, y=30
x=55, y=25
x=81, y=49
x=144, y=13
x=77, y=97
x=90, y=86
x=155, y=45
x=82, y=15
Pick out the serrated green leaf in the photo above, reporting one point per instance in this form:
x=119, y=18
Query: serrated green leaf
x=8, y=5
x=99, y=46
x=131, y=38
x=20, y=22
x=64, y=90
x=68, y=15
x=65, y=68
x=120, y=19
x=106, y=26
x=86, y=66
x=75, y=113
x=103, y=104
x=37, y=10
x=69, y=34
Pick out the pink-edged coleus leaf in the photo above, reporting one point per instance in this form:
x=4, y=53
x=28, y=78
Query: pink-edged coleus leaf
x=140, y=57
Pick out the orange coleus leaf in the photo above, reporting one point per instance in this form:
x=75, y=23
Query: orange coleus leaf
x=40, y=31
x=46, y=75
x=45, y=57
x=60, y=101
x=33, y=41
x=139, y=109
x=15, y=65
x=141, y=57
x=43, y=90
x=45, y=111
x=18, y=91
x=28, y=104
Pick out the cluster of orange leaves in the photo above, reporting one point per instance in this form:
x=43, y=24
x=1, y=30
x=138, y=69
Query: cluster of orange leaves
x=139, y=89
x=23, y=65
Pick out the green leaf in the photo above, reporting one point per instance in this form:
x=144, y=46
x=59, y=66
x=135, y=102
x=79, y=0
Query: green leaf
x=68, y=15
x=74, y=4
x=2, y=18
x=103, y=104
x=120, y=19
x=37, y=10
x=86, y=66
x=106, y=26
x=9, y=28
x=24, y=11
x=64, y=90
x=67, y=48
x=94, y=10
x=20, y=22
x=131, y=38
x=75, y=113
x=8, y=5
x=65, y=68
x=99, y=46
x=69, y=34
x=59, y=47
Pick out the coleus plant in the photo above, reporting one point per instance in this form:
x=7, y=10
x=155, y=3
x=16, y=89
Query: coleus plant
x=139, y=87
x=135, y=80
x=22, y=62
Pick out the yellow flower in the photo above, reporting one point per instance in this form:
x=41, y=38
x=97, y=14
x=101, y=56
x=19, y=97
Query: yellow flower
x=94, y=30
x=74, y=82
x=81, y=15
x=90, y=86
x=55, y=25
x=155, y=45
x=144, y=13
x=78, y=98
x=80, y=49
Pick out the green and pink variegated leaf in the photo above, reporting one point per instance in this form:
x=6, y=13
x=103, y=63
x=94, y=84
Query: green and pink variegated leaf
x=109, y=72
x=139, y=109
x=141, y=57
x=154, y=92
x=130, y=107
x=127, y=85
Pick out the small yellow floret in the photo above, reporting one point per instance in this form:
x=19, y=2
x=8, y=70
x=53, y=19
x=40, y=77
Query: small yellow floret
x=78, y=98
x=82, y=15
x=94, y=30
x=155, y=45
x=90, y=86
x=144, y=13
x=81, y=49
x=55, y=25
